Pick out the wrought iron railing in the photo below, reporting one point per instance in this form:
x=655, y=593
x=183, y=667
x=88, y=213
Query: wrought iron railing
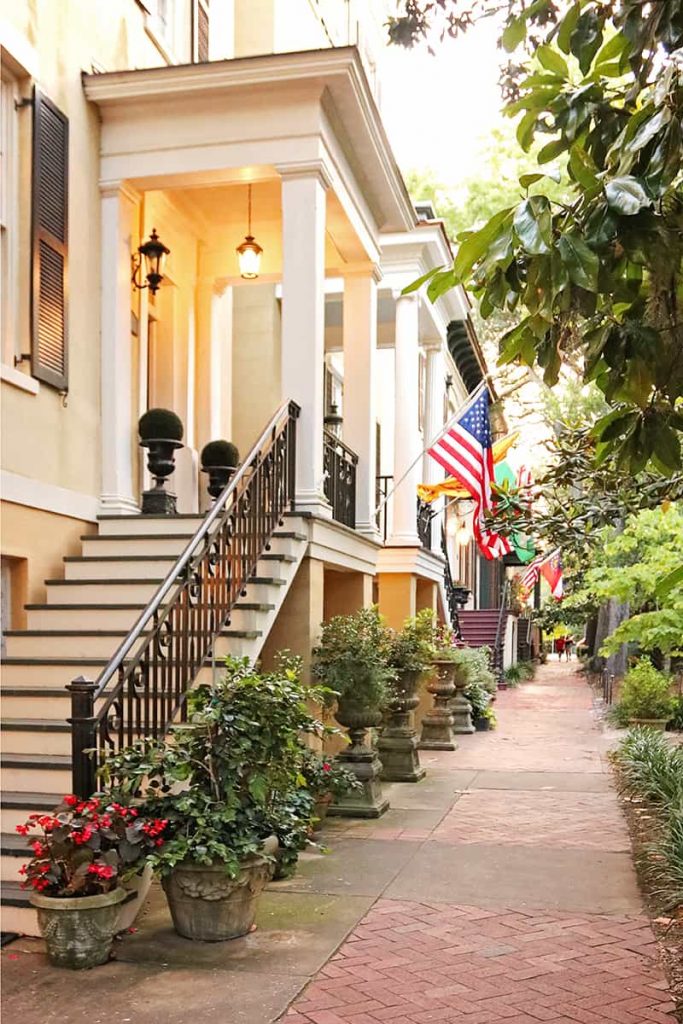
x=382, y=489
x=424, y=523
x=340, y=464
x=499, y=645
x=453, y=593
x=142, y=690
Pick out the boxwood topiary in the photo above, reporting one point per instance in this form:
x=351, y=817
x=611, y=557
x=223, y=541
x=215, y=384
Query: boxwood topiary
x=160, y=424
x=220, y=453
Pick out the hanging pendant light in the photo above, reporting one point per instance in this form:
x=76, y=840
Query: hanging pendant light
x=249, y=252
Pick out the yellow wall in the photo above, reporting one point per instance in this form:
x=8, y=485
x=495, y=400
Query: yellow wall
x=346, y=592
x=256, y=377
x=297, y=627
x=38, y=540
x=397, y=597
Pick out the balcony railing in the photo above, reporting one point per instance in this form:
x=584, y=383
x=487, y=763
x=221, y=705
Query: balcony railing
x=340, y=464
x=383, y=487
x=424, y=523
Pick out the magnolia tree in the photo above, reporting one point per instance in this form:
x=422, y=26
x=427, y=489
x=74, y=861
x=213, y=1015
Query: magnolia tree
x=594, y=277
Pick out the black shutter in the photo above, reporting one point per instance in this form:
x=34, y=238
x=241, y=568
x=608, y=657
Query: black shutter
x=50, y=212
x=200, y=31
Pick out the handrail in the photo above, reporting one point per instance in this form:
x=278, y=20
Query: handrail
x=449, y=587
x=340, y=464
x=336, y=442
x=174, y=637
x=498, y=646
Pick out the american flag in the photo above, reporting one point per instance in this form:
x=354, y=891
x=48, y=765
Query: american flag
x=549, y=566
x=528, y=578
x=465, y=452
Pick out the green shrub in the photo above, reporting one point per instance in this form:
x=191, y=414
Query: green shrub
x=220, y=453
x=645, y=692
x=479, y=699
x=527, y=669
x=513, y=675
x=412, y=649
x=650, y=766
x=160, y=424
x=475, y=662
x=352, y=659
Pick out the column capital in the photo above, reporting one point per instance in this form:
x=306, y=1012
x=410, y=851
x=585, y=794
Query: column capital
x=315, y=169
x=363, y=270
x=405, y=299
x=432, y=344
x=111, y=189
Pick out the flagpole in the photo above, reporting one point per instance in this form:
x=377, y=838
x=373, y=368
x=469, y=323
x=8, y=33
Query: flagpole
x=471, y=399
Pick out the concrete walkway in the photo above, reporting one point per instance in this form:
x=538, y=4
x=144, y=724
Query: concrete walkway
x=500, y=888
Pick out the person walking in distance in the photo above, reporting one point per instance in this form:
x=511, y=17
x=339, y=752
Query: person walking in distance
x=559, y=647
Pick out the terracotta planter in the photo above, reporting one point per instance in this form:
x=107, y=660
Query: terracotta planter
x=659, y=724
x=207, y=904
x=137, y=889
x=78, y=930
x=398, y=743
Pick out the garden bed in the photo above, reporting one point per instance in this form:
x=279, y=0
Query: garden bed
x=646, y=822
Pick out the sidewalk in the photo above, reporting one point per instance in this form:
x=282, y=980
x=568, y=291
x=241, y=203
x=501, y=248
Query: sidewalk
x=499, y=889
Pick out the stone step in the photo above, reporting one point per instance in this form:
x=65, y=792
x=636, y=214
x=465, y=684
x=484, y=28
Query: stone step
x=118, y=567
x=39, y=773
x=35, y=736
x=134, y=590
x=117, y=617
x=145, y=526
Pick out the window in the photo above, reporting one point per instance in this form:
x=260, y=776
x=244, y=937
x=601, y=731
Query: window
x=9, y=217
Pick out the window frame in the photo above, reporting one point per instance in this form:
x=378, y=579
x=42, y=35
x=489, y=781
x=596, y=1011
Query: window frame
x=9, y=218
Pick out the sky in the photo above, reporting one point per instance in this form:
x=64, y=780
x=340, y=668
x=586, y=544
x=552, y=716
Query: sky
x=438, y=109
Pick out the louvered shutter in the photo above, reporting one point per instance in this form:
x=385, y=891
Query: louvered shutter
x=200, y=31
x=49, y=243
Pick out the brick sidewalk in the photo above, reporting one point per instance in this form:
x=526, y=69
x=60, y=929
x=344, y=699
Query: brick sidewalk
x=504, y=956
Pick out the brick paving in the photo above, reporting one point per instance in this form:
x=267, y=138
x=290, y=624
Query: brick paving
x=414, y=961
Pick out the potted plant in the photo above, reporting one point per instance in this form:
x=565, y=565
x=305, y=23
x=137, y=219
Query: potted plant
x=219, y=460
x=224, y=783
x=437, y=724
x=327, y=780
x=479, y=700
x=645, y=697
x=411, y=651
x=351, y=659
x=82, y=854
x=161, y=433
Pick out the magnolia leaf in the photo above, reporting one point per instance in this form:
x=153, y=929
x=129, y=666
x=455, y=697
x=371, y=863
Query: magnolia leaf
x=626, y=195
x=611, y=49
x=413, y=287
x=533, y=225
x=525, y=130
x=513, y=34
x=567, y=27
x=552, y=61
x=526, y=180
x=669, y=582
x=581, y=166
x=442, y=282
x=552, y=150
x=476, y=244
x=581, y=262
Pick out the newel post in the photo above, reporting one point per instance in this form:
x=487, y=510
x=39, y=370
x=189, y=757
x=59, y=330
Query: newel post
x=83, y=738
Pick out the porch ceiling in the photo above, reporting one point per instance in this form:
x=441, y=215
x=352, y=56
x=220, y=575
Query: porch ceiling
x=220, y=216
x=207, y=124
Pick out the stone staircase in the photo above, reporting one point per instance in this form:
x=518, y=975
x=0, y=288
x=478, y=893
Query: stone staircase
x=85, y=617
x=479, y=627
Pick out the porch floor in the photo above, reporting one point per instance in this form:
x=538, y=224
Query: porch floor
x=501, y=888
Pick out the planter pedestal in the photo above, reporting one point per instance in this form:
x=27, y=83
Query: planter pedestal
x=461, y=709
x=437, y=724
x=398, y=743
x=360, y=758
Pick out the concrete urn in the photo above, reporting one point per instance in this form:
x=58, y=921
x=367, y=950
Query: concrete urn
x=78, y=930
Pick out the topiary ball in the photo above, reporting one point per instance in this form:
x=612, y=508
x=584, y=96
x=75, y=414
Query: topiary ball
x=160, y=424
x=220, y=453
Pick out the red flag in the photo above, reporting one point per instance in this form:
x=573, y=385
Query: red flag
x=551, y=570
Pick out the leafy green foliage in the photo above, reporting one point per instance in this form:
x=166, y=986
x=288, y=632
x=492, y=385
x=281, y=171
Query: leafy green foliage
x=232, y=775
x=411, y=649
x=324, y=776
x=352, y=659
x=597, y=276
x=646, y=692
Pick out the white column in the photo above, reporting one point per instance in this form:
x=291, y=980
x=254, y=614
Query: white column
x=213, y=369
x=117, y=421
x=360, y=416
x=435, y=388
x=407, y=442
x=303, y=325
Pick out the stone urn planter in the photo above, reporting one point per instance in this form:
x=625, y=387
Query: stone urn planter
x=398, y=742
x=321, y=809
x=437, y=724
x=461, y=709
x=361, y=758
x=78, y=930
x=659, y=724
x=208, y=905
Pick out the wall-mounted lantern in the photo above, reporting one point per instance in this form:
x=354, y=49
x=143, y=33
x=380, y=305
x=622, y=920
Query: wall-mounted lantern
x=153, y=252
